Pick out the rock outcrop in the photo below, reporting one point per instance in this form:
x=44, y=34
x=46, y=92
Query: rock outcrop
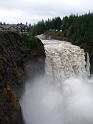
x=15, y=50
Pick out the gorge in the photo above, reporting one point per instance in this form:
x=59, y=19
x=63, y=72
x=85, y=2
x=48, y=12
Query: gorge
x=63, y=94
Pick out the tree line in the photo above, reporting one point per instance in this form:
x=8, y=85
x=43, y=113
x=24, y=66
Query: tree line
x=48, y=25
x=77, y=28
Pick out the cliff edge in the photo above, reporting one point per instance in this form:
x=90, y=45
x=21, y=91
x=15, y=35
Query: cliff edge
x=15, y=51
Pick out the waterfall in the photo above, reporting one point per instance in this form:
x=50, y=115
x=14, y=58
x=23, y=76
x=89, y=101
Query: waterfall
x=64, y=95
x=64, y=60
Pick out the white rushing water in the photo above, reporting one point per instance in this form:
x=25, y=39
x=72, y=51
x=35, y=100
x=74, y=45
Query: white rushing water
x=64, y=95
x=64, y=60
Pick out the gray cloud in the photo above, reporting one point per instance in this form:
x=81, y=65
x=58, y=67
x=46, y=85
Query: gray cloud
x=14, y=11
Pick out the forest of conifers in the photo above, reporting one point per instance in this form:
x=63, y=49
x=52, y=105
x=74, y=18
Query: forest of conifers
x=77, y=28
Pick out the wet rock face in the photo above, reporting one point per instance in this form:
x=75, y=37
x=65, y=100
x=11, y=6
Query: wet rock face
x=13, y=54
x=11, y=70
x=10, y=111
x=91, y=63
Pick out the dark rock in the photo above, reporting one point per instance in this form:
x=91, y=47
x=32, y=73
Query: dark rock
x=14, y=53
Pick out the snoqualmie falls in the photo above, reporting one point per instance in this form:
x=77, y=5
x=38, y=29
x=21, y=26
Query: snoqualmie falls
x=64, y=94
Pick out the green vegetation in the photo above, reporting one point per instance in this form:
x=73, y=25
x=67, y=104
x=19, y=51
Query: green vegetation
x=32, y=42
x=78, y=29
x=41, y=27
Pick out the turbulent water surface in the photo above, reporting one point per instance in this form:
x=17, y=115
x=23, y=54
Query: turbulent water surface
x=64, y=94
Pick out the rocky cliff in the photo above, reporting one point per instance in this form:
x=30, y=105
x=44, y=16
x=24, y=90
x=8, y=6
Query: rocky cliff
x=15, y=51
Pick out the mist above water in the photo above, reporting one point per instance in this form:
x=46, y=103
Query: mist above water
x=44, y=103
x=64, y=95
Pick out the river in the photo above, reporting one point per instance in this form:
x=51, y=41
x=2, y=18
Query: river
x=64, y=94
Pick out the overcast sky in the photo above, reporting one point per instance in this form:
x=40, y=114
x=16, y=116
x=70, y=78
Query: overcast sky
x=14, y=11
